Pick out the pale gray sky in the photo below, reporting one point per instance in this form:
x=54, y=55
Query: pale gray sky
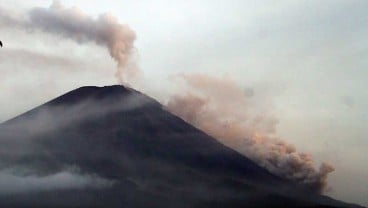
x=307, y=59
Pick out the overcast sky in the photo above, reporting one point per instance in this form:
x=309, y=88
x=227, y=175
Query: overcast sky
x=308, y=60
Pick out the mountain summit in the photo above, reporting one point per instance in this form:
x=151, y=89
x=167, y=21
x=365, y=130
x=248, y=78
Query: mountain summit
x=115, y=147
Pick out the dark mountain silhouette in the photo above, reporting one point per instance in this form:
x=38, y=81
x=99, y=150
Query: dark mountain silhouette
x=125, y=150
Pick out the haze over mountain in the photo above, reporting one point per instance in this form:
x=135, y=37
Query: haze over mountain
x=115, y=147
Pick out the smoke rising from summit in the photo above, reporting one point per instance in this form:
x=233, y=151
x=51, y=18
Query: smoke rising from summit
x=222, y=109
x=73, y=23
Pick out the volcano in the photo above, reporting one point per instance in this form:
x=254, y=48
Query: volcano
x=115, y=147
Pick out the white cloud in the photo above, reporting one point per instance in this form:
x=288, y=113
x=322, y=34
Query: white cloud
x=11, y=183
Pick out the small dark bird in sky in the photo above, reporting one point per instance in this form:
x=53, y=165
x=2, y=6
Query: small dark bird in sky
x=1, y=44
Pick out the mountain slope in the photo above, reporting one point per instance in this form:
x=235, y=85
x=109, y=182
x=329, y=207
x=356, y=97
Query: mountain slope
x=113, y=147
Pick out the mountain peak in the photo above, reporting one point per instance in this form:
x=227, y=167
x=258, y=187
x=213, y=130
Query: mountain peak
x=140, y=153
x=86, y=92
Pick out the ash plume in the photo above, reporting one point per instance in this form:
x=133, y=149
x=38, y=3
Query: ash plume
x=222, y=109
x=73, y=23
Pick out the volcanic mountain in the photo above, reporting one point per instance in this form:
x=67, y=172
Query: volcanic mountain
x=115, y=147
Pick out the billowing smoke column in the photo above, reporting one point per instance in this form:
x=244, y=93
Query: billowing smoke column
x=222, y=109
x=72, y=23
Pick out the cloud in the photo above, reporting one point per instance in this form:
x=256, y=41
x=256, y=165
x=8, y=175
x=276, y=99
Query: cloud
x=13, y=183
